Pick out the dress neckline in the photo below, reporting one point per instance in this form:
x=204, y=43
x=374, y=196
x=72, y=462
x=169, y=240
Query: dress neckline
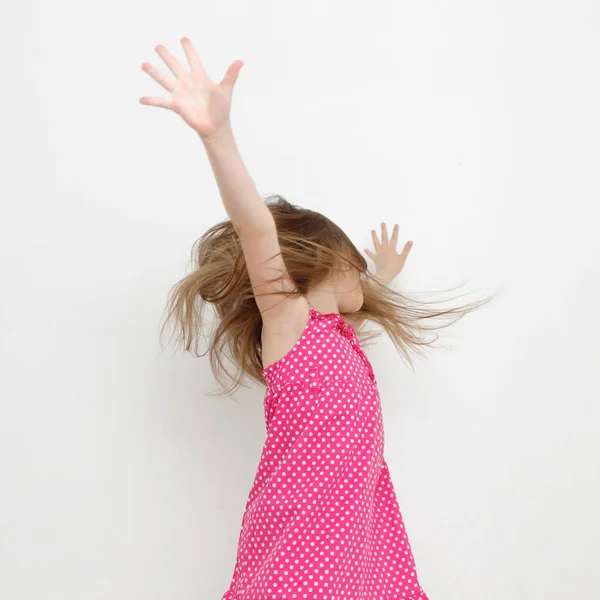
x=341, y=323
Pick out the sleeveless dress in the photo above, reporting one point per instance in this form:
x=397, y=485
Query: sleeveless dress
x=322, y=521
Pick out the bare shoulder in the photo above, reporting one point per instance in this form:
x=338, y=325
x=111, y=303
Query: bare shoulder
x=283, y=326
x=285, y=313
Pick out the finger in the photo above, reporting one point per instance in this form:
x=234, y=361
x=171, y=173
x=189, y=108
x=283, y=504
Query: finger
x=156, y=101
x=369, y=254
x=405, y=251
x=167, y=82
x=231, y=76
x=191, y=54
x=384, y=234
x=394, y=240
x=375, y=239
x=171, y=62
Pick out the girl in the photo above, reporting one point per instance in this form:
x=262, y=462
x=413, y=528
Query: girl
x=290, y=291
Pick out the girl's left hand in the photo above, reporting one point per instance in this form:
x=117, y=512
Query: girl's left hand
x=388, y=262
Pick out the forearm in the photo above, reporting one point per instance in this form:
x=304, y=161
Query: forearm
x=241, y=199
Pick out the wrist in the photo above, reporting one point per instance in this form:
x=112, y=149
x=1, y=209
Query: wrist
x=386, y=280
x=223, y=135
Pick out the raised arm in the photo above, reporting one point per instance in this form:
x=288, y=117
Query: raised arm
x=388, y=263
x=205, y=106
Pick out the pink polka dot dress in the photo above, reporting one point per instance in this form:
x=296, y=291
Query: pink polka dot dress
x=322, y=521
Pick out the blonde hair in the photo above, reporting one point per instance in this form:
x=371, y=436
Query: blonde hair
x=312, y=246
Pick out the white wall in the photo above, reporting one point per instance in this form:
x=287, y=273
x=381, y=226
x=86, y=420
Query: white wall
x=473, y=124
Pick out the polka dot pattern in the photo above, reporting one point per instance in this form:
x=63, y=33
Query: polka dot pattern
x=322, y=521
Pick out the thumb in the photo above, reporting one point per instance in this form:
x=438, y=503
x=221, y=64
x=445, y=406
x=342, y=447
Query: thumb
x=231, y=76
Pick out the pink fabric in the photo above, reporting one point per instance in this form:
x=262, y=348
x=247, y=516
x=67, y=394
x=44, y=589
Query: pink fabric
x=322, y=521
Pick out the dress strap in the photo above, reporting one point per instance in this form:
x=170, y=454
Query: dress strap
x=307, y=301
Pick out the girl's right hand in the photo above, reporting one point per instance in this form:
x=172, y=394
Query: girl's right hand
x=201, y=103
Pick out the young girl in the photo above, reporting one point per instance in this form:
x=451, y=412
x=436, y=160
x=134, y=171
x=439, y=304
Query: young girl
x=291, y=290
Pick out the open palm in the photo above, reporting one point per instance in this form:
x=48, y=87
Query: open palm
x=388, y=263
x=203, y=104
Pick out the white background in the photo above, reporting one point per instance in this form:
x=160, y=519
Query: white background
x=473, y=124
